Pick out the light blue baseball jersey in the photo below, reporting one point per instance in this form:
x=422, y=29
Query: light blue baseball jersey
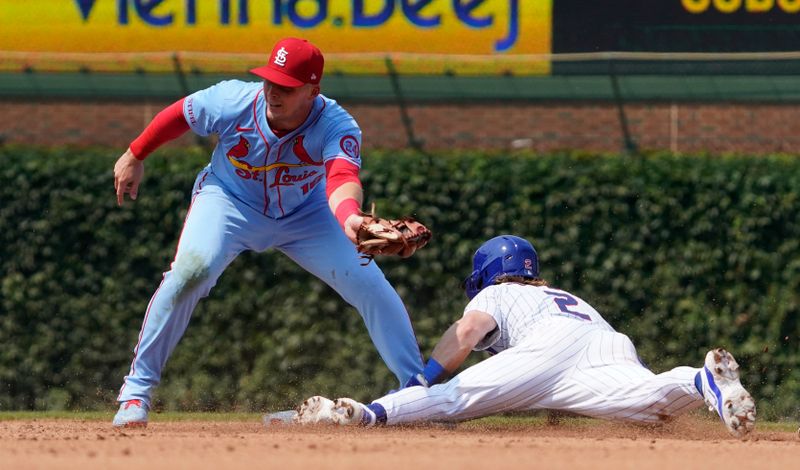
x=270, y=174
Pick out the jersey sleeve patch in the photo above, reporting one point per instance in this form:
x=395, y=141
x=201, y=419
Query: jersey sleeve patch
x=350, y=146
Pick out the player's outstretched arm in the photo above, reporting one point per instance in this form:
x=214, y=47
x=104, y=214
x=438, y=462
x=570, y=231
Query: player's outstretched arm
x=344, y=192
x=454, y=347
x=128, y=173
x=345, y=203
x=462, y=336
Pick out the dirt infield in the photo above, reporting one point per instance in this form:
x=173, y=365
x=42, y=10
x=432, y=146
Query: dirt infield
x=686, y=443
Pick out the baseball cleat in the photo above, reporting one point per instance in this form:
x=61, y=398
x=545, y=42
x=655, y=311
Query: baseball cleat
x=348, y=412
x=343, y=411
x=724, y=393
x=315, y=410
x=131, y=414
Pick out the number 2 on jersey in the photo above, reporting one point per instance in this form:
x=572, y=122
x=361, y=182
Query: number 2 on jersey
x=565, y=301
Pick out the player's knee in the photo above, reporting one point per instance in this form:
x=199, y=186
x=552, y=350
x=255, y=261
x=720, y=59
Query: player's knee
x=191, y=269
x=452, y=398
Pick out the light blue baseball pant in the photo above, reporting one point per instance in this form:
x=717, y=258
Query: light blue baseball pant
x=217, y=228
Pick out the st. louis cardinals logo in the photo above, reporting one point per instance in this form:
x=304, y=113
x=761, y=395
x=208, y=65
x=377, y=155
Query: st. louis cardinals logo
x=282, y=177
x=350, y=147
x=239, y=150
x=280, y=57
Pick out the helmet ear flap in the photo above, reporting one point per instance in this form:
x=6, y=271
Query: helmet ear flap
x=493, y=269
x=472, y=284
x=482, y=277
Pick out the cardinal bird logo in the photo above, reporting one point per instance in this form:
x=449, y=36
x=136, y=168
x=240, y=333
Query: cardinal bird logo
x=239, y=150
x=300, y=152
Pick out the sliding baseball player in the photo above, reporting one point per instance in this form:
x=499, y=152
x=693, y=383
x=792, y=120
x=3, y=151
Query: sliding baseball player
x=551, y=350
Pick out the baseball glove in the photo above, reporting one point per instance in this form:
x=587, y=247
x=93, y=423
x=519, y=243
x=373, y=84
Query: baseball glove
x=396, y=237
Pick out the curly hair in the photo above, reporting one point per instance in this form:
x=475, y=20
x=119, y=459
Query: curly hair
x=521, y=280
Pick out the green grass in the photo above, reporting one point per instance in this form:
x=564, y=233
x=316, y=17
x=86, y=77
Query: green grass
x=504, y=422
x=785, y=426
x=520, y=421
x=513, y=422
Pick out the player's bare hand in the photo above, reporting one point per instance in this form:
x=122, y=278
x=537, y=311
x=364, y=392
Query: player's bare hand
x=128, y=173
x=351, y=226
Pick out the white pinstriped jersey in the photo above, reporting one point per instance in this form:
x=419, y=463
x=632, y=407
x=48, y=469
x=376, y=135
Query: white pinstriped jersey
x=554, y=352
x=517, y=308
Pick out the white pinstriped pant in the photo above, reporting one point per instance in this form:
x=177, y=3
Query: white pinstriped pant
x=567, y=365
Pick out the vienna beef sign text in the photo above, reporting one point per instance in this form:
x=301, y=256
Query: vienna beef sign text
x=457, y=26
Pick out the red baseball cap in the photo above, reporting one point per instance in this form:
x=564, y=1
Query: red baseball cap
x=293, y=63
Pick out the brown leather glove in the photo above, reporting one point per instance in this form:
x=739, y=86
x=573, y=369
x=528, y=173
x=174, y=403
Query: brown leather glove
x=396, y=237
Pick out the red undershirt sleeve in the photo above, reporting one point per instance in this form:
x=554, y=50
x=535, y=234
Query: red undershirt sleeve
x=169, y=124
x=339, y=171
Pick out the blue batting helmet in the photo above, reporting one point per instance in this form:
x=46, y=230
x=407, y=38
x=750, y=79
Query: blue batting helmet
x=506, y=254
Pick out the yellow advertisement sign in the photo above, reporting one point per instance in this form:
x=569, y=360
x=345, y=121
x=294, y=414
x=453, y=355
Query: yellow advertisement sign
x=251, y=26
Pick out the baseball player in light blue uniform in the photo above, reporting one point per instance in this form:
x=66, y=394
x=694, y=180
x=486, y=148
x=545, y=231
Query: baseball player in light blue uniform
x=283, y=175
x=550, y=350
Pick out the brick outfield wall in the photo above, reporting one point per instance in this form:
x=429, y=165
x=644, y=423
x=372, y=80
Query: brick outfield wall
x=719, y=127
